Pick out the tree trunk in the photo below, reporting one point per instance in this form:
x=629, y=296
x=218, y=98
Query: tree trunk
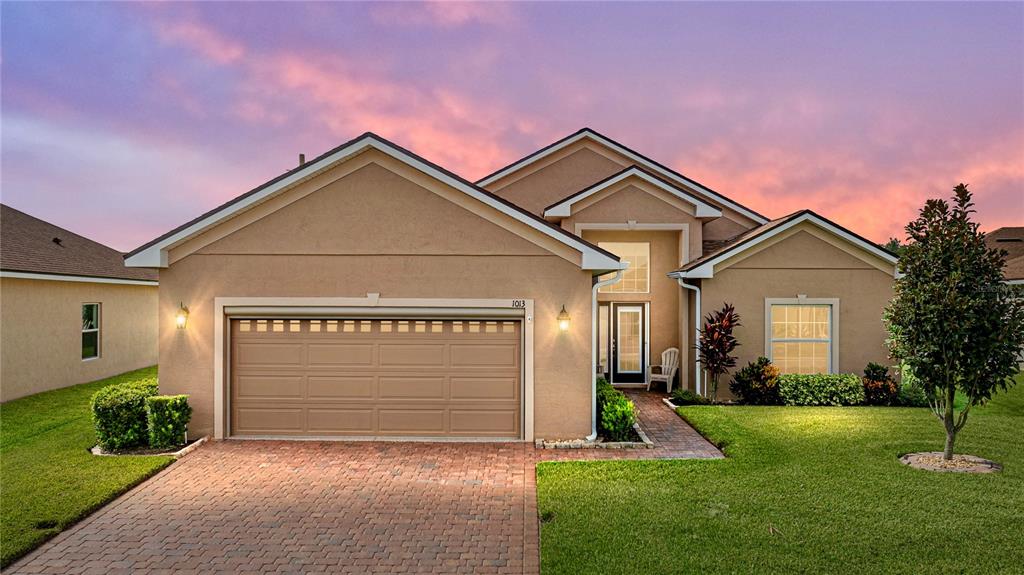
x=950, y=424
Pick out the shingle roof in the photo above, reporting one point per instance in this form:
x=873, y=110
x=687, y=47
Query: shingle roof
x=1011, y=240
x=28, y=244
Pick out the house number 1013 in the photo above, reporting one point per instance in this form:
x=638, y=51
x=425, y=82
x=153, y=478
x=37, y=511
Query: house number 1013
x=520, y=303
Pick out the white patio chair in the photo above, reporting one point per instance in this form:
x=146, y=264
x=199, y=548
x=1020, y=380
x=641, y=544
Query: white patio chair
x=665, y=372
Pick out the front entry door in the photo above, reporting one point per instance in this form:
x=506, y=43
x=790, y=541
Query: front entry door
x=628, y=362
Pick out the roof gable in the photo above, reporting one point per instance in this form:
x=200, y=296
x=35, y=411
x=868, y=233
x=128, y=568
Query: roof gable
x=155, y=253
x=563, y=208
x=36, y=247
x=704, y=267
x=648, y=164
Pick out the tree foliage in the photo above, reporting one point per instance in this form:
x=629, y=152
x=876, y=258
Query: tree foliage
x=717, y=344
x=952, y=320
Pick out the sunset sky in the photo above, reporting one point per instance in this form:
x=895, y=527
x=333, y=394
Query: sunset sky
x=121, y=121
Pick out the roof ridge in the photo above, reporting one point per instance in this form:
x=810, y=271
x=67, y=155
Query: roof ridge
x=387, y=143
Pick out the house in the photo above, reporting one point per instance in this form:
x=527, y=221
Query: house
x=371, y=293
x=70, y=311
x=1010, y=239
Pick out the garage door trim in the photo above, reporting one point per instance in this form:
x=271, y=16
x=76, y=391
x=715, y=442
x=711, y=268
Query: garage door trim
x=228, y=308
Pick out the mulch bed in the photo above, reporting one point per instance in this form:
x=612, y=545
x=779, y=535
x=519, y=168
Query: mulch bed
x=175, y=451
x=932, y=461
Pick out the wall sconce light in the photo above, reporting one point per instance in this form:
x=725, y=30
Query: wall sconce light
x=563, y=319
x=181, y=317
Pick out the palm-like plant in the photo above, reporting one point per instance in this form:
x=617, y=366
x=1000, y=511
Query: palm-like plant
x=717, y=344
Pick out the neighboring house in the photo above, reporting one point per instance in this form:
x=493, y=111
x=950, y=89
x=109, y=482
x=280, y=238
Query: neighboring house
x=370, y=293
x=1011, y=240
x=70, y=311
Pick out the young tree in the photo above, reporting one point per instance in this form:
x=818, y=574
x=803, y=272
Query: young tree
x=952, y=320
x=717, y=344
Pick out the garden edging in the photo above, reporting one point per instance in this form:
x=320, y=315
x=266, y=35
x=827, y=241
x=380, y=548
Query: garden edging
x=644, y=443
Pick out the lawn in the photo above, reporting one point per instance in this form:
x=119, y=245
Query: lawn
x=48, y=478
x=803, y=490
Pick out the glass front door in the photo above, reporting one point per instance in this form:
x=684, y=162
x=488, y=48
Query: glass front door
x=627, y=343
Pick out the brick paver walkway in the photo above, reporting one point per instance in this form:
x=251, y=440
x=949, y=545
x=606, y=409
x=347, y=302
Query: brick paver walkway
x=338, y=507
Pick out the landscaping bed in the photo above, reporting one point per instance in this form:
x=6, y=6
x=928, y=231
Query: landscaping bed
x=49, y=478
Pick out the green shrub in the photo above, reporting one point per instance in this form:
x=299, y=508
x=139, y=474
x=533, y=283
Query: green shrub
x=682, y=396
x=617, y=418
x=119, y=414
x=879, y=387
x=757, y=384
x=821, y=389
x=616, y=414
x=167, y=418
x=911, y=393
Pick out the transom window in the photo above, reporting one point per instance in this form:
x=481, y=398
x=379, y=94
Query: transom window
x=636, y=278
x=90, y=330
x=800, y=337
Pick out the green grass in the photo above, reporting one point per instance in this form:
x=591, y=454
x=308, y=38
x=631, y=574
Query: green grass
x=48, y=478
x=803, y=490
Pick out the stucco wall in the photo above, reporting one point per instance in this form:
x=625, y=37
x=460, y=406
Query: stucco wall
x=375, y=232
x=805, y=264
x=562, y=174
x=41, y=338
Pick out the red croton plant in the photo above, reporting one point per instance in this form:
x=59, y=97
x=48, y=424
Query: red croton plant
x=717, y=344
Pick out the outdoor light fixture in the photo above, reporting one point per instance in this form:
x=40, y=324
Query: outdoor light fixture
x=181, y=318
x=563, y=319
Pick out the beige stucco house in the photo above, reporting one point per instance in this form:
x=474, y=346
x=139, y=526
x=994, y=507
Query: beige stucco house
x=371, y=293
x=70, y=311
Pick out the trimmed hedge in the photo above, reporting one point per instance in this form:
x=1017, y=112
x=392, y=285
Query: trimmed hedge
x=167, y=418
x=821, y=389
x=616, y=414
x=119, y=414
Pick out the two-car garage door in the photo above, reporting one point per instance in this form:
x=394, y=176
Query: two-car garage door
x=375, y=377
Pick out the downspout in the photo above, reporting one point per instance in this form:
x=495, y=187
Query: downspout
x=696, y=333
x=593, y=351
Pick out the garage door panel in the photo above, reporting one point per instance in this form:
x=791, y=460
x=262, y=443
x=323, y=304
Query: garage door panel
x=411, y=387
x=270, y=386
x=340, y=354
x=411, y=422
x=369, y=377
x=340, y=387
x=501, y=423
x=487, y=388
x=268, y=420
x=411, y=355
x=341, y=421
x=494, y=355
x=269, y=354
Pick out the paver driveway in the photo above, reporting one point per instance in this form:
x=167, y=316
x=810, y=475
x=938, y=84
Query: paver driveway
x=338, y=507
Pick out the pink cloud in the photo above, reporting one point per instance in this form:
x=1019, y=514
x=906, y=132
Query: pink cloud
x=843, y=185
x=343, y=100
x=203, y=40
x=442, y=14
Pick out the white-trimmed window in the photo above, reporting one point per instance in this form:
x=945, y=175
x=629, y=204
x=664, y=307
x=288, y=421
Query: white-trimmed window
x=637, y=277
x=90, y=330
x=800, y=334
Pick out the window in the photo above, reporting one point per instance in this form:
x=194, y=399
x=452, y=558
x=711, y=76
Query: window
x=800, y=335
x=90, y=330
x=636, y=278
